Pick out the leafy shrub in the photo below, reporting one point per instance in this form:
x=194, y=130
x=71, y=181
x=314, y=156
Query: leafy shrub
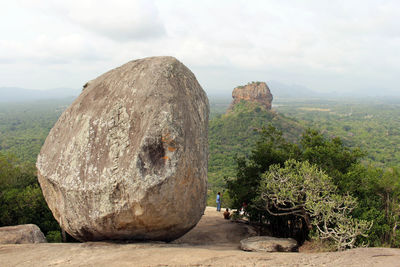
x=21, y=199
x=304, y=194
x=54, y=237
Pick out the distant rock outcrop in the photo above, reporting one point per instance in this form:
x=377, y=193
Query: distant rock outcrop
x=128, y=159
x=21, y=234
x=257, y=92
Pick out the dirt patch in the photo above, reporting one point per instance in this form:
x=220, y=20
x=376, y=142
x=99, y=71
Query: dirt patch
x=213, y=229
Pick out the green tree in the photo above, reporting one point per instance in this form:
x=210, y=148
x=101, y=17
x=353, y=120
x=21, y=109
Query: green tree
x=378, y=192
x=306, y=197
x=271, y=148
x=236, y=133
x=21, y=199
x=330, y=154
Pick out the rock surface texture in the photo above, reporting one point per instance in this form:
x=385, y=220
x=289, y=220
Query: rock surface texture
x=21, y=234
x=257, y=92
x=128, y=159
x=269, y=244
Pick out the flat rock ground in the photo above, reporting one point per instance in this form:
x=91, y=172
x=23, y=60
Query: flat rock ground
x=213, y=242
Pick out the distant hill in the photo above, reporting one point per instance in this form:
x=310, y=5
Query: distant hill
x=282, y=90
x=235, y=133
x=15, y=94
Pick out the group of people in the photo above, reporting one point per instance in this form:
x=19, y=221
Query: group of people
x=227, y=214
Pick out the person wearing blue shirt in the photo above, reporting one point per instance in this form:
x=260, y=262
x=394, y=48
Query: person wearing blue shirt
x=219, y=201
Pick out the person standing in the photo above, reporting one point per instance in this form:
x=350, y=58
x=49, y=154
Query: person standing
x=219, y=201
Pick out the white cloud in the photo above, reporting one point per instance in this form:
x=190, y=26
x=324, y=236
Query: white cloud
x=325, y=45
x=46, y=50
x=120, y=20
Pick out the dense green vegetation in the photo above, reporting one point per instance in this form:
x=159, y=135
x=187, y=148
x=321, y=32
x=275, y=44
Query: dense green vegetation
x=348, y=181
x=370, y=180
x=23, y=129
x=308, y=199
x=235, y=133
x=21, y=199
x=242, y=155
x=372, y=124
x=24, y=126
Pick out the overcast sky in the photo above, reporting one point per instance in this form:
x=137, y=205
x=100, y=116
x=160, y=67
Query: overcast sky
x=325, y=45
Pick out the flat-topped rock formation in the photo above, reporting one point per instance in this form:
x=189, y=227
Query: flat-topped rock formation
x=257, y=92
x=128, y=159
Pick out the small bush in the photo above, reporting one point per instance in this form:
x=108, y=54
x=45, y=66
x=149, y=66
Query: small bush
x=54, y=237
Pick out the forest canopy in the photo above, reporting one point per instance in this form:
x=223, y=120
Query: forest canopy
x=21, y=199
x=243, y=154
x=318, y=185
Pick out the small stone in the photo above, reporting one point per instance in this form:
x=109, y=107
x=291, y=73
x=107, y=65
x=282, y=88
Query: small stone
x=269, y=244
x=21, y=234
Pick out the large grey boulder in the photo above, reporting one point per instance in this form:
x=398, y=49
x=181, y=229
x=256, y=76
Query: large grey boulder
x=21, y=234
x=269, y=244
x=128, y=158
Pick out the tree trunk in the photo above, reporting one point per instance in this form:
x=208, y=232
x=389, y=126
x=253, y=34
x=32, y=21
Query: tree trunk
x=64, y=236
